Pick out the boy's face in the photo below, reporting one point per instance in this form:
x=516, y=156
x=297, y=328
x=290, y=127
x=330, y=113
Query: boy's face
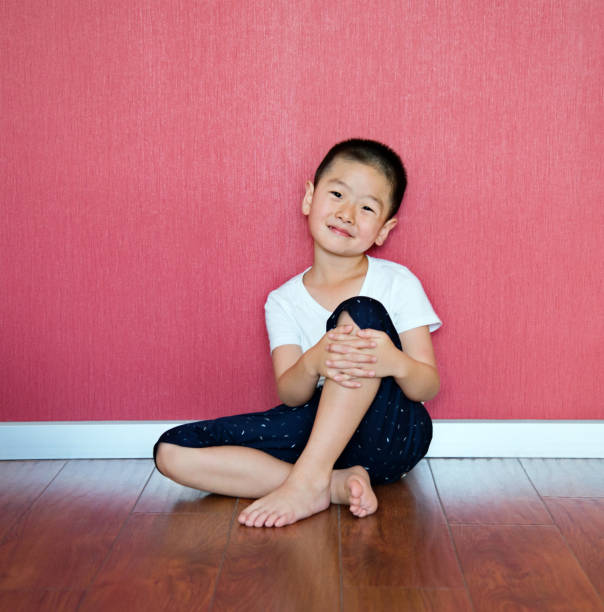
x=349, y=207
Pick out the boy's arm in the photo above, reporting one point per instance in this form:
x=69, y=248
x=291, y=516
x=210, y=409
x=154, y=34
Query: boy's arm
x=295, y=382
x=297, y=373
x=417, y=374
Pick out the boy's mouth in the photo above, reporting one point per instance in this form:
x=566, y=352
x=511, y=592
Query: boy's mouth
x=339, y=231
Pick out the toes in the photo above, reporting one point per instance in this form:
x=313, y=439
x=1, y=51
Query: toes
x=261, y=518
x=362, y=500
x=249, y=522
x=250, y=517
x=272, y=518
x=284, y=519
x=243, y=516
x=356, y=488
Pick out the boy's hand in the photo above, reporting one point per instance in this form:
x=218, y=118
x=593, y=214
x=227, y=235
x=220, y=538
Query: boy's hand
x=342, y=357
x=387, y=355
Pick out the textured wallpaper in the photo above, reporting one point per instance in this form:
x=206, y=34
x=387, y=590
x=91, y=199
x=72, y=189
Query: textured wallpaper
x=153, y=157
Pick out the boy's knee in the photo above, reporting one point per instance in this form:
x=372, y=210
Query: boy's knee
x=345, y=319
x=165, y=456
x=364, y=312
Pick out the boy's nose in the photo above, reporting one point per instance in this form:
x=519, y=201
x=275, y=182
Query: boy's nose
x=345, y=213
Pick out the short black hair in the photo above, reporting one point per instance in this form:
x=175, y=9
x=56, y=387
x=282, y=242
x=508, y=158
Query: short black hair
x=375, y=154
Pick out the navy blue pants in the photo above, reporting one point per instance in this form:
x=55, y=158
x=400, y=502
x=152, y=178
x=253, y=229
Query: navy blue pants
x=393, y=436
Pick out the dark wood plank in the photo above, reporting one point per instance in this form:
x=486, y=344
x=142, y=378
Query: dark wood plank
x=293, y=568
x=566, y=477
x=65, y=536
x=487, y=491
x=21, y=482
x=581, y=522
x=522, y=568
x=406, y=543
x=40, y=601
x=162, y=562
x=164, y=495
x=395, y=599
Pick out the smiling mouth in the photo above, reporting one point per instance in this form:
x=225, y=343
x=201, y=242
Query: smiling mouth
x=339, y=231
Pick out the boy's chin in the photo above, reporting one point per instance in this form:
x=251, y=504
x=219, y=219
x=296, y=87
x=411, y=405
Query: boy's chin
x=343, y=252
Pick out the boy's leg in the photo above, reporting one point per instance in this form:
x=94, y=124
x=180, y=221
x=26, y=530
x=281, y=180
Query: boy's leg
x=393, y=424
x=307, y=488
x=240, y=471
x=237, y=471
x=395, y=433
x=245, y=455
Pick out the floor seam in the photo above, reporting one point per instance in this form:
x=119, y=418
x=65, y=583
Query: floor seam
x=341, y=585
x=33, y=501
x=224, y=554
x=568, y=546
x=115, y=539
x=451, y=538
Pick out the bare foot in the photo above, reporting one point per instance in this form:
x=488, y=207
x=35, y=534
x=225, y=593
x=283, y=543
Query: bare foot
x=353, y=487
x=295, y=499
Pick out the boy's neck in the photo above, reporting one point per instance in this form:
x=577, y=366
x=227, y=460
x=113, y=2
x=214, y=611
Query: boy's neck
x=332, y=269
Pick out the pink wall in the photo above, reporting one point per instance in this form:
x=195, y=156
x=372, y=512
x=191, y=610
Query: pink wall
x=153, y=158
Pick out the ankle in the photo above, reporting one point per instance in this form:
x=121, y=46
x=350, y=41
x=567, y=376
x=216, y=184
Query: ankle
x=311, y=475
x=337, y=487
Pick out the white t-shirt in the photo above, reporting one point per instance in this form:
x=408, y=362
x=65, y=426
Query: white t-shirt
x=293, y=316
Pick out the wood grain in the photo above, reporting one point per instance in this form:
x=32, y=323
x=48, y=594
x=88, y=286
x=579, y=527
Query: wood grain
x=64, y=537
x=21, y=482
x=115, y=534
x=395, y=599
x=164, y=495
x=162, y=562
x=40, y=601
x=566, y=477
x=522, y=568
x=293, y=568
x=487, y=491
x=581, y=522
x=406, y=543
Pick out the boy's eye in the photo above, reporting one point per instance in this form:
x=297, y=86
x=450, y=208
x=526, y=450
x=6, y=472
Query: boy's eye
x=365, y=207
x=337, y=194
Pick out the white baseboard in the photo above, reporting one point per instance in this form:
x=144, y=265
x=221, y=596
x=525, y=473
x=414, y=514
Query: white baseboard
x=452, y=438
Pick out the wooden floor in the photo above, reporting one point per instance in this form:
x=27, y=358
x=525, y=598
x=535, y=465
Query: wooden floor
x=455, y=534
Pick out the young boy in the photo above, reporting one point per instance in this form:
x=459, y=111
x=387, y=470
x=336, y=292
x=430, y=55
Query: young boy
x=352, y=411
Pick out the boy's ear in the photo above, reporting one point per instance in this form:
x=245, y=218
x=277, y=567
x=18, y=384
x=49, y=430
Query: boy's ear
x=386, y=229
x=307, y=200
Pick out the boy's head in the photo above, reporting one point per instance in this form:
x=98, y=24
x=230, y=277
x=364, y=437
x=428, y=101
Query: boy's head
x=374, y=154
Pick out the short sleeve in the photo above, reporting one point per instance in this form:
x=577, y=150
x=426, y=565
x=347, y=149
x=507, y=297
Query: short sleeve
x=413, y=306
x=280, y=323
